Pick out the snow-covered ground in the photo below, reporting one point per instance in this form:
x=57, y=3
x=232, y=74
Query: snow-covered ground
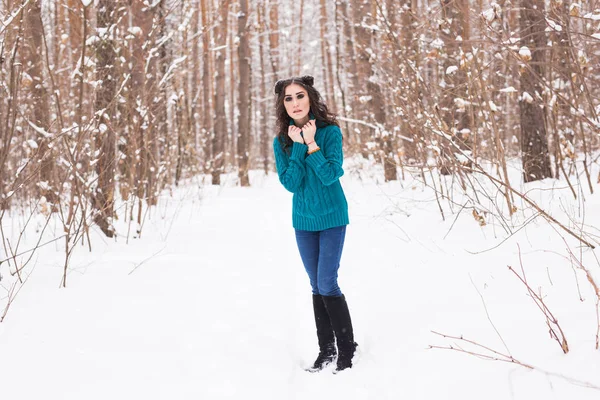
x=212, y=302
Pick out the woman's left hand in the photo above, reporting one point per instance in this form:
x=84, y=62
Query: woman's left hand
x=309, y=130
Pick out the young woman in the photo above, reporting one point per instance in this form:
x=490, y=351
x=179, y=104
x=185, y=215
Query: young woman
x=308, y=155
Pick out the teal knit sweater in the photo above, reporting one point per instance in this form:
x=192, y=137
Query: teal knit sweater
x=318, y=202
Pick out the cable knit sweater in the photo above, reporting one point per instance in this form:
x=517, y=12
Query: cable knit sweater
x=318, y=202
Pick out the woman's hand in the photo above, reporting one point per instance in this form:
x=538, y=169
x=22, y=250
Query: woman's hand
x=295, y=134
x=309, y=131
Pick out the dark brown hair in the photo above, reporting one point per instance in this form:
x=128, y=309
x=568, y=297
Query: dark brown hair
x=318, y=108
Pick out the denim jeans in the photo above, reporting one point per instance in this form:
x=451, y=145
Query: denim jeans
x=321, y=252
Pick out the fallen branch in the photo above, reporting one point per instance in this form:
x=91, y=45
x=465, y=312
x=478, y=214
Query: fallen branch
x=494, y=356
x=555, y=330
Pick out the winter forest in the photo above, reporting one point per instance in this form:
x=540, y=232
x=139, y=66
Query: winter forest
x=483, y=114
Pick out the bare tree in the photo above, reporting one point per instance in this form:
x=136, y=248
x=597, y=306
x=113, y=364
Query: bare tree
x=411, y=81
x=220, y=117
x=207, y=131
x=534, y=145
x=274, y=37
x=104, y=105
x=327, y=66
x=263, y=139
x=455, y=104
x=243, y=145
x=39, y=94
x=369, y=93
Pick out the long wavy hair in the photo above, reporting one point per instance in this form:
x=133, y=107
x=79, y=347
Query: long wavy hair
x=318, y=108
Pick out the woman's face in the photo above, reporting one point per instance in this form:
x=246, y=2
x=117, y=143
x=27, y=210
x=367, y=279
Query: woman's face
x=296, y=102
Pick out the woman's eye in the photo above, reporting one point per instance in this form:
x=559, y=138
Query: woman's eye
x=288, y=99
x=300, y=96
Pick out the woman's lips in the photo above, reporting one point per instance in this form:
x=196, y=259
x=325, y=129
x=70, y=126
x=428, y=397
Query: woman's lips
x=297, y=111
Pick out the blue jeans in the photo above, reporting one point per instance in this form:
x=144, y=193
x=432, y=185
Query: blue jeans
x=321, y=252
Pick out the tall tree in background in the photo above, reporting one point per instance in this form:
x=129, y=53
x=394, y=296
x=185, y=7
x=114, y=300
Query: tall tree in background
x=207, y=132
x=73, y=35
x=410, y=79
x=346, y=53
x=39, y=94
x=105, y=111
x=73, y=10
x=181, y=101
x=220, y=117
x=231, y=149
x=534, y=145
x=455, y=99
x=372, y=109
x=263, y=138
x=327, y=66
x=274, y=36
x=243, y=145
x=391, y=63
x=194, y=84
x=299, y=61
x=158, y=155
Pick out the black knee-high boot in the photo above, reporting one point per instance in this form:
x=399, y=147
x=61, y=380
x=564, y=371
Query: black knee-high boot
x=337, y=308
x=325, y=335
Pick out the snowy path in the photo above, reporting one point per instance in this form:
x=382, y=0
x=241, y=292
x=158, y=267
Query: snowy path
x=223, y=310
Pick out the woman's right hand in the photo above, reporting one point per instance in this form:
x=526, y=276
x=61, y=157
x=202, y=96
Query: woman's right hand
x=295, y=134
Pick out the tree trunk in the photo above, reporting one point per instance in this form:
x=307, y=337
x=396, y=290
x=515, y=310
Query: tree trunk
x=263, y=136
x=369, y=94
x=243, y=147
x=207, y=131
x=349, y=55
x=220, y=117
x=411, y=94
x=534, y=145
x=231, y=145
x=274, y=37
x=182, y=102
x=391, y=96
x=74, y=11
x=104, y=105
x=156, y=159
x=454, y=104
x=326, y=57
x=298, y=71
x=39, y=94
x=196, y=84
x=349, y=60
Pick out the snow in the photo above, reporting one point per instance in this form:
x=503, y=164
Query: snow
x=212, y=302
x=553, y=25
x=527, y=98
x=135, y=30
x=493, y=106
x=489, y=14
x=172, y=67
x=92, y=40
x=40, y=130
x=437, y=43
x=525, y=53
x=451, y=69
x=495, y=11
x=594, y=17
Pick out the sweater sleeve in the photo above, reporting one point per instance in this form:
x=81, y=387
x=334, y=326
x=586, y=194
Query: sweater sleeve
x=327, y=162
x=291, y=170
